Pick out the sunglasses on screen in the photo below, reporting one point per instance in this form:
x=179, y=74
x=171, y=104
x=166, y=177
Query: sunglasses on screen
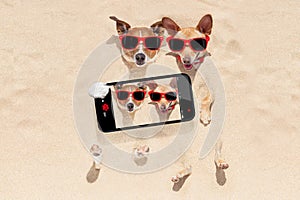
x=157, y=96
x=131, y=42
x=137, y=95
x=178, y=44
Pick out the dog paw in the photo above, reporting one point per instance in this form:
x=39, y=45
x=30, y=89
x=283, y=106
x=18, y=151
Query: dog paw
x=205, y=118
x=221, y=164
x=98, y=90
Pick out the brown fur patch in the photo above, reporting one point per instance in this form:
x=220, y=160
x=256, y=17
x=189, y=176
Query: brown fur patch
x=140, y=32
x=188, y=33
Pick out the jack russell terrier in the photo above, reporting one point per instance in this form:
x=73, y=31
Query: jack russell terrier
x=189, y=45
x=164, y=97
x=139, y=45
x=129, y=98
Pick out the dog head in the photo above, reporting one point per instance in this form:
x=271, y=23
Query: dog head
x=139, y=55
x=188, y=56
x=164, y=105
x=130, y=97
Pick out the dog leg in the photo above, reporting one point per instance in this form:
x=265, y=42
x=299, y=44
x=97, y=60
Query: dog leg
x=219, y=159
x=205, y=113
x=187, y=171
x=96, y=152
x=97, y=164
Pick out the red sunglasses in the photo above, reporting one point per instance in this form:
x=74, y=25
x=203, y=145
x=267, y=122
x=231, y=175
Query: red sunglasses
x=137, y=95
x=131, y=42
x=197, y=44
x=156, y=96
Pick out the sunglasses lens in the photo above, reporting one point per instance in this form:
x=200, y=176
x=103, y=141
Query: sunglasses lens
x=138, y=95
x=198, y=44
x=152, y=43
x=122, y=95
x=171, y=96
x=154, y=96
x=176, y=44
x=129, y=42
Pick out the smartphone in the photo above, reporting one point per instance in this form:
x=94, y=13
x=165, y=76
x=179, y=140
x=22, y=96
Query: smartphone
x=146, y=102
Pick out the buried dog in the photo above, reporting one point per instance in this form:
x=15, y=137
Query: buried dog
x=188, y=46
x=139, y=45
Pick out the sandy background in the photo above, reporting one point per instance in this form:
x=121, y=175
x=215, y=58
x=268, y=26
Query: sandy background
x=254, y=44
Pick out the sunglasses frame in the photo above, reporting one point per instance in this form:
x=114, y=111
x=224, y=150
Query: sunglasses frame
x=162, y=95
x=143, y=39
x=187, y=43
x=131, y=94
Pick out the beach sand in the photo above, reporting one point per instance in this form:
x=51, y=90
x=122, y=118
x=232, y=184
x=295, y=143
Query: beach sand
x=255, y=46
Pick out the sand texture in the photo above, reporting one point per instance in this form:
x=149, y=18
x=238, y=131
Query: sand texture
x=255, y=46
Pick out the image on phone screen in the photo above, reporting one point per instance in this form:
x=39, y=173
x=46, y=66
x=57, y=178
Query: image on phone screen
x=146, y=102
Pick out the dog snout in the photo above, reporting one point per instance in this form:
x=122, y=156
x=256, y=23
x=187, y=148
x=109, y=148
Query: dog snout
x=163, y=107
x=140, y=58
x=130, y=106
x=186, y=61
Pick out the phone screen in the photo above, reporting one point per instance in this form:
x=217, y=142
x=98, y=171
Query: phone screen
x=146, y=102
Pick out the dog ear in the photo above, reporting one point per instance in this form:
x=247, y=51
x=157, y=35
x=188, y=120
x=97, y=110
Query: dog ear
x=157, y=28
x=118, y=86
x=142, y=85
x=152, y=85
x=173, y=83
x=122, y=27
x=170, y=25
x=205, y=24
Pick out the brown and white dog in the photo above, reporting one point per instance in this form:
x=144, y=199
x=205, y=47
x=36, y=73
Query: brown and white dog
x=189, y=57
x=164, y=97
x=129, y=98
x=189, y=60
x=142, y=53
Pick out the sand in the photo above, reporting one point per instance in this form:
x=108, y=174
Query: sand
x=254, y=44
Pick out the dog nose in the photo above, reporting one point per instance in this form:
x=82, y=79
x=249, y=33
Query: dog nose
x=130, y=106
x=140, y=57
x=163, y=107
x=186, y=60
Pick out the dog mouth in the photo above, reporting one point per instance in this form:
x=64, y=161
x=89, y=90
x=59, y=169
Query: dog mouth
x=140, y=63
x=130, y=110
x=166, y=110
x=188, y=66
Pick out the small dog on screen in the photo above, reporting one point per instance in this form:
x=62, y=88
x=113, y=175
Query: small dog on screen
x=139, y=45
x=164, y=97
x=130, y=98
